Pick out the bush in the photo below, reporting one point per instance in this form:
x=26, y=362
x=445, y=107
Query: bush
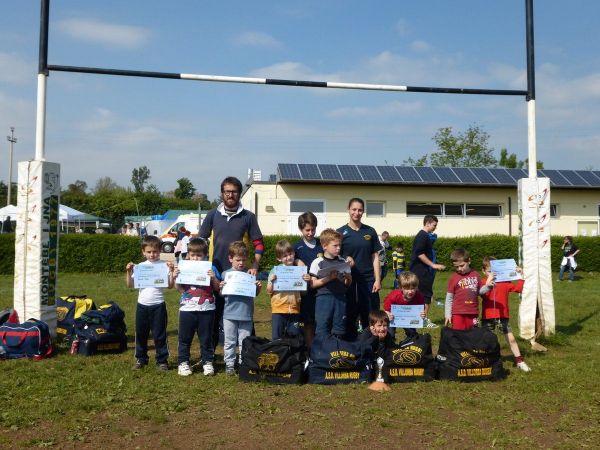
x=92, y=253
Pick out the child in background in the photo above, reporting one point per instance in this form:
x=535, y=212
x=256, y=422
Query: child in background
x=377, y=335
x=398, y=262
x=239, y=309
x=185, y=240
x=151, y=312
x=196, y=314
x=408, y=294
x=570, y=250
x=307, y=250
x=330, y=307
x=495, y=310
x=285, y=305
x=464, y=288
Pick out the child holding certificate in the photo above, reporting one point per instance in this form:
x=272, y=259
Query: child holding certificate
x=151, y=312
x=330, y=276
x=239, y=302
x=408, y=294
x=285, y=302
x=197, y=312
x=495, y=310
x=464, y=288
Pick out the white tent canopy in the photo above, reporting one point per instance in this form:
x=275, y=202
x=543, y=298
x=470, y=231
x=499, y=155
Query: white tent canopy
x=66, y=213
x=9, y=210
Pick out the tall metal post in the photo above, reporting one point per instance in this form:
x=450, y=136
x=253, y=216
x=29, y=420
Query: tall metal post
x=13, y=140
x=531, y=134
x=40, y=131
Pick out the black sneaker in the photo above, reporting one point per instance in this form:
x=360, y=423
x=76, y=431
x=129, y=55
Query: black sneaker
x=139, y=364
x=163, y=367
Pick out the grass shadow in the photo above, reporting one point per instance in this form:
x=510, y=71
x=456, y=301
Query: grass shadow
x=575, y=326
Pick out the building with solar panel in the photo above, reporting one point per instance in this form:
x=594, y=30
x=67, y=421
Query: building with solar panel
x=468, y=201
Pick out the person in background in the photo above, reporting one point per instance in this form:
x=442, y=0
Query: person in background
x=398, y=262
x=385, y=246
x=7, y=225
x=570, y=250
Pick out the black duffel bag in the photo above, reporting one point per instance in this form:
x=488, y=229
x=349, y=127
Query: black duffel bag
x=101, y=331
x=281, y=361
x=411, y=360
x=336, y=361
x=469, y=355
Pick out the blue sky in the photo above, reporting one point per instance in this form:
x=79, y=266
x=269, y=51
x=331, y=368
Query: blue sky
x=105, y=126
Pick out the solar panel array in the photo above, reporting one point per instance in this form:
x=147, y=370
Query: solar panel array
x=497, y=176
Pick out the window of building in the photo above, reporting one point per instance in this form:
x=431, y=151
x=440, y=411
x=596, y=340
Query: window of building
x=375, y=209
x=300, y=206
x=454, y=209
x=553, y=210
x=422, y=209
x=482, y=210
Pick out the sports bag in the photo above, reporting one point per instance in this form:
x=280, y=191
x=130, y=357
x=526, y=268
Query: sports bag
x=469, y=355
x=281, y=361
x=100, y=331
x=336, y=361
x=4, y=315
x=30, y=339
x=411, y=360
x=68, y=309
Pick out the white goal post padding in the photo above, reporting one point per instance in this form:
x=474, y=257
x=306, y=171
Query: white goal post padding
x=36, y=241
x=534, y=225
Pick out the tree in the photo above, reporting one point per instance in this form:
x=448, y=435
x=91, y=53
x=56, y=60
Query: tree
x=78, y=187
x=468, y=149
x=105, y=184
x=185, y=189
x=510, y=161
x=139, y=178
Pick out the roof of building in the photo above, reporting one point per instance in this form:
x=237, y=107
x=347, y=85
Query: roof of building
x=408, y=175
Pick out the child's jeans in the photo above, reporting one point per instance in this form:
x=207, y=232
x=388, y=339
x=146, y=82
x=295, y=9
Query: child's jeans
x=330, y=314
x=151, y=318
x=562, y=272
x=235, y=331
x=191, y=323
x=282, y=324
x=396, y=282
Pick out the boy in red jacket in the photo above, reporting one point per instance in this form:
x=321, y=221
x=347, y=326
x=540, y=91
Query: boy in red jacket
x=464, y=288
x=495, y=310
x=406, y=295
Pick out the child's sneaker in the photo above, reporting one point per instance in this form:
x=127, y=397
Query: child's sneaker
x=230, y=371
x=429, y=324
x=208, y=369
x=139, y=364
x=163, y=367
x=184, y=369
x=523, y=366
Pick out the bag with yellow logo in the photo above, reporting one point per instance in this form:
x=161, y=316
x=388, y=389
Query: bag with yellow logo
x=101, y=331
x=469, y=355
x=281, y=361
x=411, y=360
x=68, y=309
x=337, y=361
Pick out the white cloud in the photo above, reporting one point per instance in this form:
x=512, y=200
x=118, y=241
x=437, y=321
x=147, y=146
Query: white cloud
x=402, y=27
x=102, y=119
x=104, y=33
x=420, y=46
x=395, y=108
x=256, y=39
x=15, y=70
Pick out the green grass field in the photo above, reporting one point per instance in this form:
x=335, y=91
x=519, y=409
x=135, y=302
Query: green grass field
x=77, y=402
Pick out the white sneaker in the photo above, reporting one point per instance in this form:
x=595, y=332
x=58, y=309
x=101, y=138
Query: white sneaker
x=208, y=369
x=429, y=324
x=523, y=366
x=184, y=369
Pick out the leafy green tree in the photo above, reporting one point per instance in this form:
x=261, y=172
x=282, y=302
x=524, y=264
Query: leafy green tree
x=468, y=149
x=105, y=184
x=510, y=161
x=185, y=189
x=139, y=178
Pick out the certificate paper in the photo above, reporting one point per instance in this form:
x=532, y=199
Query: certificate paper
x=289, y=278
x=147, y=275
x=341, y=267
x=239, y=283
x=505, y=269
x=407, y=316
x=194, y=272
